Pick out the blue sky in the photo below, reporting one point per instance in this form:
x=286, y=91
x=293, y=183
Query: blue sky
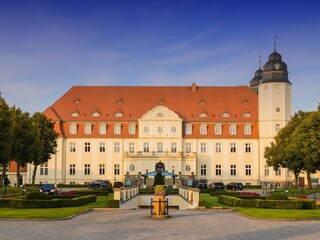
x=46, y=47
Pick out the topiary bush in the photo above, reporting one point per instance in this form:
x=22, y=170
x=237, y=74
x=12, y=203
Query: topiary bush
x=118, y=185
x=277, y=196
x=158, y=179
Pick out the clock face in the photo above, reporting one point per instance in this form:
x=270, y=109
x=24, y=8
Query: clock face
x=277, y=66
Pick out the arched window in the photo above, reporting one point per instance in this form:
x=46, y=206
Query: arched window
x=103, y=128
x=277, y=127
x=188, y=128
x=87, y=128
x=218, y=129
x=73, y=128
x=117, y=129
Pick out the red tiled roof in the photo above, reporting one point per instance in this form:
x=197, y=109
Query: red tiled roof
x=134, y=101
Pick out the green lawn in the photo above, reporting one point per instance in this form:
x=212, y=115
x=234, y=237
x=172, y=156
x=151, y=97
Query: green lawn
x=52, y=213
x=211, y=201
x=280, y=213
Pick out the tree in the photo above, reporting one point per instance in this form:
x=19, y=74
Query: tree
x=48, y=139
x=5, y=137
x=307, y=140
x=283, y=151
x=26, y=144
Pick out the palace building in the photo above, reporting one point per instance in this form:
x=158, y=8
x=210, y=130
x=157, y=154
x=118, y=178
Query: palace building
x=118, y=133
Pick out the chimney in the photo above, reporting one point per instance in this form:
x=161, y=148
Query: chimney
x=194, y=87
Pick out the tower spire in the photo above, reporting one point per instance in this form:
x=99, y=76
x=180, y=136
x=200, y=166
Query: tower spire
x=259, y=61
x=275, y=43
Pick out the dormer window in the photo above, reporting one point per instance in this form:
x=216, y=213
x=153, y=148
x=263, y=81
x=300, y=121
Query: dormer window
x=95, y=114
x=203, y=129
x=117, y=129
x=76, y=101
x=160, y=114
x=202, y=101
x=73, y=128
x=88, y=128
x=74, y=114
x=233, y=129
x=161, y=101
x=225, y=115
x=247, y=129
x=118, y=114
x=246, y=115
x=119, y=100
x=202, y=115
x=103, y=128
x=218, y=129
x=188, y=128
x=132, y=128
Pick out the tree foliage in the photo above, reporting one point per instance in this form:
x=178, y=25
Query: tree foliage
x=26, y=144
x=5, y=137
x=48, y=139
x=282, y=152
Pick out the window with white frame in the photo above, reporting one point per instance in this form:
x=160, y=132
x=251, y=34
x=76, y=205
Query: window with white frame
x=160, y=147
x=102, y=147
x=145, y=147
x=277, y=127
x=247, y=129
x=87, y=169
x=131, y=147
x=73, y=128
x=132, y=128
x=248, y=170
x=203, y=147
x=218, y=129
x=248, y=147
x=87, y=147
x=233, y=170
x=266, y=170
x=87, y=128
x=116, y=169
x=44, y=169
x=233, y=129
x=103, y=128
x=102, y=169
x=233, y=147
x=278, y=172
x=116, y=147
x=72, y=146
x=117, y=129
x=203, y=129
x=218, y=147
x=218, y=170
x=72, y=169
x=203, y=169
x=188, y=147
x=173, y=147
x=188, y=128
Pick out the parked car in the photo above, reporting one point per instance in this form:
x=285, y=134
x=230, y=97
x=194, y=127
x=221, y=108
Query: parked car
x=217, y=185
x=101, y=184
x=49, y=188
x=202, y=184
x=235, y=186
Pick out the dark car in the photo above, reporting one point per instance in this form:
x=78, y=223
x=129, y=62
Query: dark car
x=235, y=186
x=49, y=188
x=217, y=185
x=202, y=184
x=101, y=184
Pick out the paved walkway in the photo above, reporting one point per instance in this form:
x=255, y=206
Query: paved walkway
x=135, y=224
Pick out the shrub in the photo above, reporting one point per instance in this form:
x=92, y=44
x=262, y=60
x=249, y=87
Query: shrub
x=249, y=194
x=202, y=203
x=277, y=196
x=118, y=185
x=113, y=203
x=69, y=193
x=302, y=197
x=38, y=195
x=5, y=203
x=96, y=192
x=223, y=192
x=158, y=179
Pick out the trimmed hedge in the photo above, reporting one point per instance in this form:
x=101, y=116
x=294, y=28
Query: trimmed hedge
x=224, y=192
x=277, y=196
x=258, y=203
x=93, y=192
x=53, y=203
x=113, y=203
x=5, y=202
x=38, y=196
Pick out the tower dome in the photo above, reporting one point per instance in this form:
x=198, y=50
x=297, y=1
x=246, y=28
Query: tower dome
x=255, y=81
x=275, y=70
